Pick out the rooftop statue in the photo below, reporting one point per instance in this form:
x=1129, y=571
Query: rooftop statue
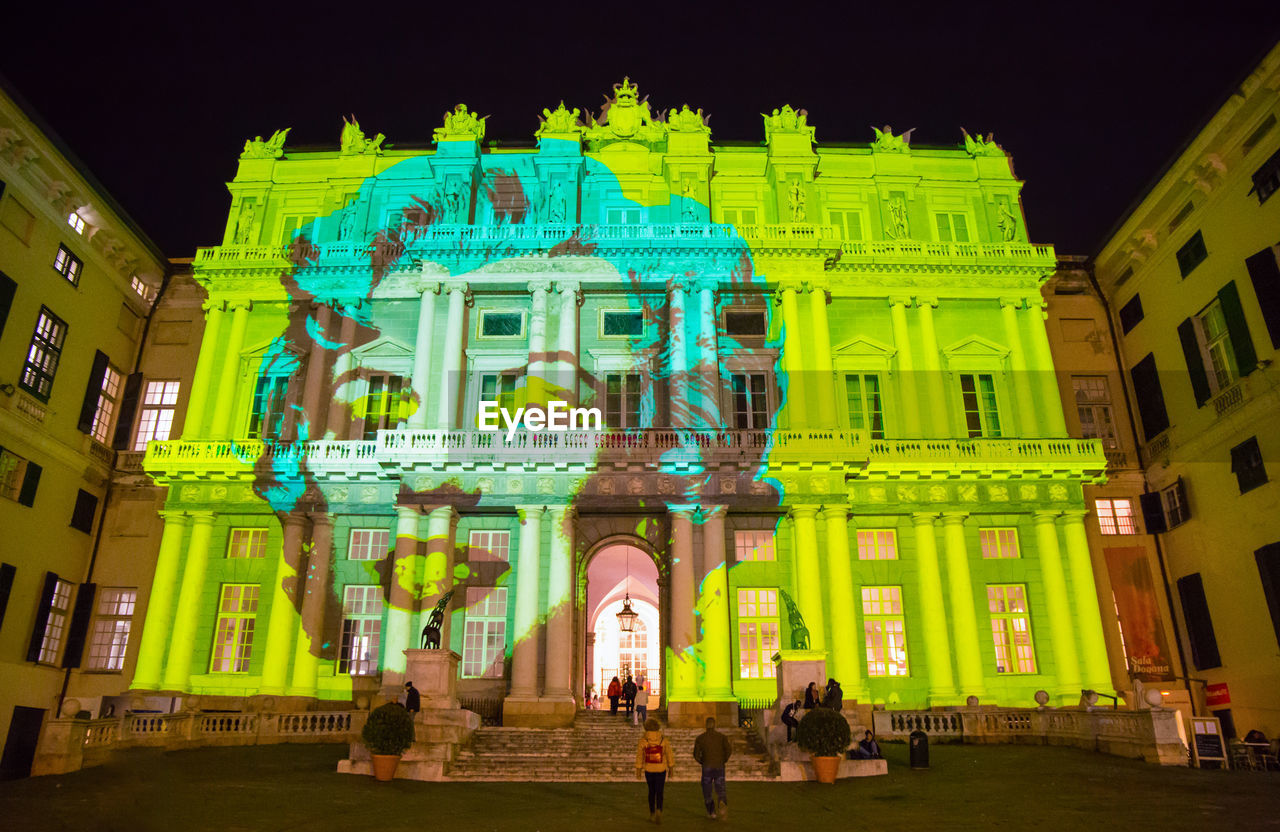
x=626, y=117
x=787, y=120
x=978, y=146
x=353, y=141
x=886, y=142
x=272, y=148
x=560, y=121
x=688, y=121
x=460, y=124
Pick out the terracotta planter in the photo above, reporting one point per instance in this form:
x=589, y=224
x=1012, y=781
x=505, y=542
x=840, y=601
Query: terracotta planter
x=825, y=768
x=384, y=766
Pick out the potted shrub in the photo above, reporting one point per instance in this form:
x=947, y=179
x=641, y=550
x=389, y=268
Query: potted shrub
x=387, y=734
x=825, y=734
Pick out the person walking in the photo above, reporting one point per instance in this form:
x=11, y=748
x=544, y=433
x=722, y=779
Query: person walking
x=614, y=691
x=412, y=699
x=712, y=750
x=629, y=695
x=642, y=704
x=655, y=762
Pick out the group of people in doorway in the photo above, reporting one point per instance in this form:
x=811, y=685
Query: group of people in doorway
x=655, y=762
x=633, y=698
x=830, y=697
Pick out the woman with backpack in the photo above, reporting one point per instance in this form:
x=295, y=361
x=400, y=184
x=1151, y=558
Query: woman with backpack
x=655, y=761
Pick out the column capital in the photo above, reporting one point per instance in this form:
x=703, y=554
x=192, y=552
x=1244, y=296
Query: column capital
x=954, y=518
x=900, y=300
x=530, y=512
x=790, y=285
x=926, y=302
x=202, y=518
x=709, y=285
x=680, y=283
x=426, y=287
x=569, y=287
x=238, y=304
x=1047, y=516
x=452, y=286
x=536, y=286
x=407, y=512
x=681, y=508
x=565, y=512
x=293, y=519
x=804, y=512
x=213, y=305
x=1006, y=302
x=833, y=511
x=446, y=510
x=1073, y=515
x=924, y=518
x=709, y=512
x=320, y=518
x=171, y=514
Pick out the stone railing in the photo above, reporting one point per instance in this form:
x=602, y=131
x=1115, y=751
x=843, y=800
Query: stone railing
x=71, y=744
x=986, y=254
x=1151, y=735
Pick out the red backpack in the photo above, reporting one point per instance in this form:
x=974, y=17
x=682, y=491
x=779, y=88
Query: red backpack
x=653, y=754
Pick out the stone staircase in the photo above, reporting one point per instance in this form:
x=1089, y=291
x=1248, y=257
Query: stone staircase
x=598, y=748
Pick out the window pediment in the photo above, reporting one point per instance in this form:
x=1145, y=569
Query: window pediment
x=974, y=353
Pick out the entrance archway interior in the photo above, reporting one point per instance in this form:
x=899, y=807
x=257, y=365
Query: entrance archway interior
x=614, y=572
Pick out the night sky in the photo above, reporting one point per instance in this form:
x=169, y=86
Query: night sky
x=1091, y=104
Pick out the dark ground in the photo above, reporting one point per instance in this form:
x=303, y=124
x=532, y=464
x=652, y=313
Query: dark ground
x=969, y=787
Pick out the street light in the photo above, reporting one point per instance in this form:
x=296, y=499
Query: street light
x=627, y=617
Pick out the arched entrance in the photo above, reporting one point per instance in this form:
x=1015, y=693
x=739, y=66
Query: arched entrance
x=614, y=572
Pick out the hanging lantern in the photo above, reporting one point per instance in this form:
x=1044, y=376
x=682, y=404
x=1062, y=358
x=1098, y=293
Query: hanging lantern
x=627, y=617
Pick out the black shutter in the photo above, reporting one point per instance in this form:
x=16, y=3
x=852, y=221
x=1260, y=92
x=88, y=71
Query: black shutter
x=30, y=482
x=1268, y=558
x=84, y=512
x=1237, y=329
x=42, y=617
x=1195, y=609
x=1264, y=271
x=1131, y=314
x=1184, y=507
x=92, y=392
x=1153, y=512
x=7, y=290
x=7, y=571
x=128, y=409
x=1146, y=389
x=1195, y=362
x=79, y=625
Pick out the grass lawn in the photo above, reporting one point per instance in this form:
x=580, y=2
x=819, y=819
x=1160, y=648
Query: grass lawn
x=969, y=787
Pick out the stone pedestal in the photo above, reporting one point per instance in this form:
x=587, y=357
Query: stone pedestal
x=694, y=714
x=538, y=711
x=435, y=674
x=795, y=669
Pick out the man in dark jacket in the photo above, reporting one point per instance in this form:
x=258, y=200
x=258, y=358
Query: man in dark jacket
x=835, y=697
x=629, y=691
x=412, y=699
x=789, y=717
x=712, y=750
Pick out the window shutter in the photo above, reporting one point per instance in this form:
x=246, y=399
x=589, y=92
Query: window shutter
x=1268, y=558
x=42, y=616
x=30, y=481
x=7, y=571
x=79, y=625
x=7, y=290
x=92, y=392
x=1237, y=329
x=1184, y=507
x=1195, y=609
x=1195, y=363
x=128, y=409
x=1153, y=513
x=1264, y=271
x=1150, y=398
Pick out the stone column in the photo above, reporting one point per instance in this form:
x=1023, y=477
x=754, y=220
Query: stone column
x=312, y=422
x=678, y=403
x=451, y=381
x=437, y=577
x=793, y=358
x=281, y=624
x=682, y=678
x=524, y=653
x=843, y=659
x=1026, y=415
x=220, y=425
x=155, y=629
x=714, y=606
x=315, y=592
x=1061, y=628
x=567, y=342
x=338, y=423
x=400, y=607
x=559, y=682
x=709, y=357
x=823, y=367
x=1053, y=422
x=182, y=638
x=809, y=575
x=942, y=689
x=198, y=401
x=422, y=351
x=931, y=361
x=964, y=621
x=1093, y=644
x=907, y=389
x=538, y=370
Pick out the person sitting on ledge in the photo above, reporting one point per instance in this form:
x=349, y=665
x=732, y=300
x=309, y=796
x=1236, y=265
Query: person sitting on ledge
x=867, y=749
x=789, y=717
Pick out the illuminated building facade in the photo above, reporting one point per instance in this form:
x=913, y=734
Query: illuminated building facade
x=831, y=422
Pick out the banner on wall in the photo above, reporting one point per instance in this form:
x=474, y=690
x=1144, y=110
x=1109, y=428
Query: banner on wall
x=1139, y=612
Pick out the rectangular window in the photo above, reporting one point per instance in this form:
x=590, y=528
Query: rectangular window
x=622, y=400
x=495, y=324
x=1093, y=404
x=247, y=543
x=952, y=227
x=1011, y=628
x=55, y=625
x=1217, y=345
x=1246, y=464
x=233, y=638
x=885, y=628
x=1115, y=516
x=746, y=323
x=739, y=216
x=849, y=223
x=623, y=216
x=76, y=222
x=750, y=403
x=753, y=545
x=866, y=408
x=758, y=639
x=156, y=419
x=1195, y=611
x=1177, y=510
x=500, y=388
x=489, y=544
x=386, y=404
x=981, y=415
x=266, y=421
x=621, y=324
x=143, y=291
x=1130, y=314
x=68, y=265
x=368, y=544
x=111, y=629
x=361, y=630
x=998, y=544
x=43, y=355
x=106, y=409
x=1192, y=254
x=84, y=512
x=484, y=638
x=877, y=544
x=1266, y=179
x=19, y=477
